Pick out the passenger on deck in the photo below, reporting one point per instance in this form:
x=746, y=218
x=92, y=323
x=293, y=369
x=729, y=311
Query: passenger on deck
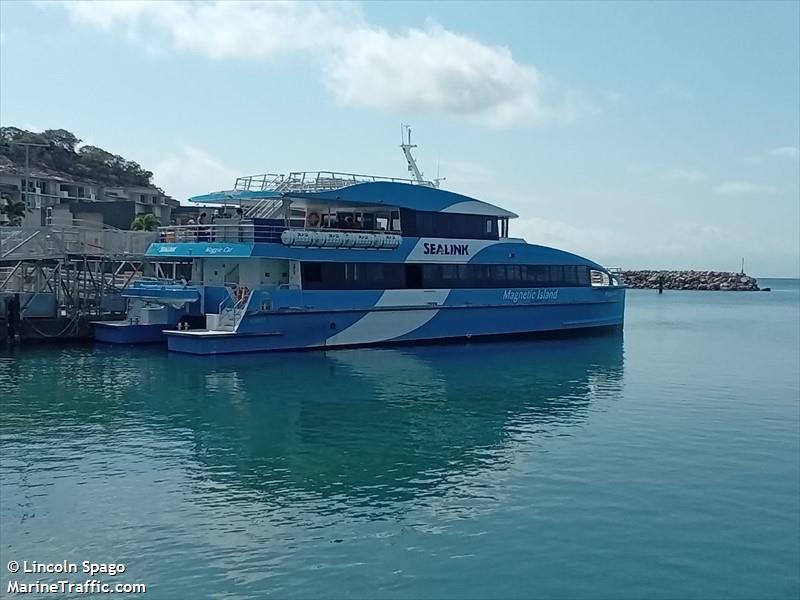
x=238, y=218
x=312, y=221
x=202, y=231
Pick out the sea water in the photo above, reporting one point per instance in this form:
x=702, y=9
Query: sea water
x=664, y=462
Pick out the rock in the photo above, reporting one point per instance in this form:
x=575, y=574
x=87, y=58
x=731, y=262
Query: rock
x=690, y=280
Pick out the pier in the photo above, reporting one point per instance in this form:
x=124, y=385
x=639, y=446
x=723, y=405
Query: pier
x=55, y=279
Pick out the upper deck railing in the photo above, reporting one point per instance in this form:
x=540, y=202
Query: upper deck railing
x=313, y=181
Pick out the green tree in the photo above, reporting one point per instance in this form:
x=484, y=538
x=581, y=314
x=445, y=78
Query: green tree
x=60, y=152
x=146, y=222
x=13, y=210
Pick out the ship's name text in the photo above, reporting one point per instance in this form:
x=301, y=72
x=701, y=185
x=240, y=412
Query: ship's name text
x=530, y=295
x=446, y=249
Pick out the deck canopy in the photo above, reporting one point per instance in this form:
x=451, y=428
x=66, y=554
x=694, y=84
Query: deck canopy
x=400, y=195
x=372, y=194
x=234, y=196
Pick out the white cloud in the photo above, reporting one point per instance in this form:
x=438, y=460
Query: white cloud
x=427, y=69
x=785, y=152
x=436, y=70
x=679, y=174
x=191, y=172
x=740, y=188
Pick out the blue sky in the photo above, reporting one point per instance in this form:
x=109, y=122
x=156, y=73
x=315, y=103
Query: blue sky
x=659, y=135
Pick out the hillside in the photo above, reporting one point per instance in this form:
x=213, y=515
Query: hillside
x=62, y=154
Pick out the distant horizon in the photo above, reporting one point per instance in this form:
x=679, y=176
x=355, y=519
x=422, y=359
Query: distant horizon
x=663, y=134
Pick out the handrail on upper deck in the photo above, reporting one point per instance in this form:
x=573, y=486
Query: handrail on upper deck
x=311, y=181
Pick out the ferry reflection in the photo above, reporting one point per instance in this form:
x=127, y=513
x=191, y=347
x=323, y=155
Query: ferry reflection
x=387, y=424
x=369, y=424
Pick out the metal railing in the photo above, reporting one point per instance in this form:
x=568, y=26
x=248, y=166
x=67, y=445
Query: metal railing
x=244, y=231
x=237, y=305
x=259, y=183
x=313, y=181
x=58, y=240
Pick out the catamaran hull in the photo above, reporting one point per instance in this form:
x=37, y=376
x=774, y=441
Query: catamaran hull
x=124, y=333
x=382, y=326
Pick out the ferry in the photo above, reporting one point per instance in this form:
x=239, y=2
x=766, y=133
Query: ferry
x=320, y=260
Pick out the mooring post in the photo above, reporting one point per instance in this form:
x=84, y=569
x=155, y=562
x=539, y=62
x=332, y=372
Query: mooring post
x=660, y=284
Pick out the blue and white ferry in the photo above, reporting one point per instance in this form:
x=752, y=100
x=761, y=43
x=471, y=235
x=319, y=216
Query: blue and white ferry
x=327, y=260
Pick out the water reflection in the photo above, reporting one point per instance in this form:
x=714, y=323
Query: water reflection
x=371, y=426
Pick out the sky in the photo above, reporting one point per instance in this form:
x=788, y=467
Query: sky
x=640, y=135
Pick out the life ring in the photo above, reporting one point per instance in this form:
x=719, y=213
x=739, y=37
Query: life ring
x=241, y=293
x=313, y=219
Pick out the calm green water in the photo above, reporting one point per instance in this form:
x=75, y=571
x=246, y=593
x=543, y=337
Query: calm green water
x=665, y=463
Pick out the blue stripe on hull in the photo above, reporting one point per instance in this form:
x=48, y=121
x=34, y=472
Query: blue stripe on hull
x=291, y=331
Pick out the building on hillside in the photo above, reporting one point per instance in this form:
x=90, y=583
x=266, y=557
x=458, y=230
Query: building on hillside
x=54, y=197
x=147, y=200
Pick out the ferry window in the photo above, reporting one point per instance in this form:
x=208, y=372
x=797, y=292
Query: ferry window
x=483, y=275
x=413, y=276
x=382, y=223
x=449, y=272
x=499, y=274
x=312, y=273
x=529, y=273
x=351, y=272
x=376, y=273
x=333, y=276
x=431, y=275
x=360, y=276
x=395, y=220
x=425, y=225
x=452, y=225
x=465, y=276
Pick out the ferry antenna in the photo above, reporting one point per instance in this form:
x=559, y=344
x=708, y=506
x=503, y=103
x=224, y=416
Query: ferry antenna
x=407, y=146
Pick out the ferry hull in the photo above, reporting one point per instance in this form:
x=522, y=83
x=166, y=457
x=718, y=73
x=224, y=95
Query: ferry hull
x=124, y=333
x=332, y=329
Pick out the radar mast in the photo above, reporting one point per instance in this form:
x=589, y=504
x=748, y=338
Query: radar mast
x=406, y=145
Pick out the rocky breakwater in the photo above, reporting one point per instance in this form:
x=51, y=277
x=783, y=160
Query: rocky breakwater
x=691, y=280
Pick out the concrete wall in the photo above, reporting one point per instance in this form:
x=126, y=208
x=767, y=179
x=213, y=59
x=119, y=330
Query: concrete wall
x=119, y=214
